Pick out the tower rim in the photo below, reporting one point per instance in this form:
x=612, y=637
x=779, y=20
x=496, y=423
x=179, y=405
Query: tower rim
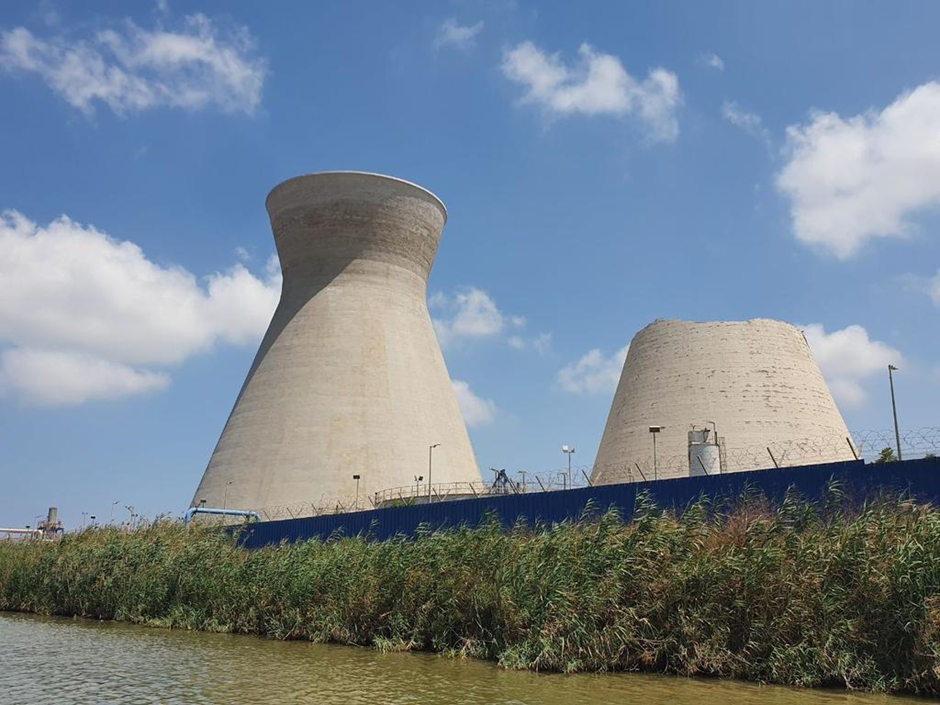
x=352, y=172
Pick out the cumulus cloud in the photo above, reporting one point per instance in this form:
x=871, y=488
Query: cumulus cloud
x=458, y=36
x=851, y=180
x=469, y=313
x=593, y=373
x=748, y=121
x=597, y=85
x=62, y=377
x=712, y=61
x=476, y=411
x=847, y=358
x=195, y=65
x=77, y=302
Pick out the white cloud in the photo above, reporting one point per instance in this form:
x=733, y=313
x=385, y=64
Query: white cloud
x=458, y=36
x=470, y=313
x=934, y=288
x=197, y=65
x=748, y=121
x=540, y=343
x=593, y=373
x=847, y=358
x=598, y=85
x=60, y=378
x=712, y=61
x=76, y=299
x=476, y=411
x=864, y=177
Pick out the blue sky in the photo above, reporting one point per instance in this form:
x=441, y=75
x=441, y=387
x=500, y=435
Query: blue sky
x=603, y=166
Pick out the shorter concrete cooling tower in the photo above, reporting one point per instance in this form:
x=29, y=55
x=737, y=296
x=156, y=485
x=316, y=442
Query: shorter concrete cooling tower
x=349, y=379
x=754, y=382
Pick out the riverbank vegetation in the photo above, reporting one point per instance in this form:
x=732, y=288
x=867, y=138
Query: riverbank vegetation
x=807, y=594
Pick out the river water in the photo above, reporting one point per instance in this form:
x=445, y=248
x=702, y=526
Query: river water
x=58, y=660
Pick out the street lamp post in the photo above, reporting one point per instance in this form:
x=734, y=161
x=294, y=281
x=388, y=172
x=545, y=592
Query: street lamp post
x=357, y=478
x=418, y=479
x=225, y=494
x=569, y=451
x=894, y=409
x=430, y=452
x=113, y=504
x=654, y=430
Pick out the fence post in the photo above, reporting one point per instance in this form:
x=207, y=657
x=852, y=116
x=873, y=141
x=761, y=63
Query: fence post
x=772, y=458
x=851, y=447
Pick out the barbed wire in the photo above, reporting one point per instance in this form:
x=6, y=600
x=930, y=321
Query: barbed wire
x=863, y=445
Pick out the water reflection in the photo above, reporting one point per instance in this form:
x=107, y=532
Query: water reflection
x=75, y=661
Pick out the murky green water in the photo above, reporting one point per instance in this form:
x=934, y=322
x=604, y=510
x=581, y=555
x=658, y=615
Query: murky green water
x=54, y=660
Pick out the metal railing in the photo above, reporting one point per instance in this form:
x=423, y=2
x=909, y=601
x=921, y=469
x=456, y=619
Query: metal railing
x=863, y=445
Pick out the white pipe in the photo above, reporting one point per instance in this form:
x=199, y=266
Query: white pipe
x=35, y=533
x=227, y=512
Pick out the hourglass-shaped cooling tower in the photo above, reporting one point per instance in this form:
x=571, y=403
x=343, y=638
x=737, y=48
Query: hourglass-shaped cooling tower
x=349, y=379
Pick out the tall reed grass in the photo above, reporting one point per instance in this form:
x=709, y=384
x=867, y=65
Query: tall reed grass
x=801, y=594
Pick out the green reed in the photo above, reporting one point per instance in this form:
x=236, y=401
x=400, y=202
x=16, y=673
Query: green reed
x=802, y=593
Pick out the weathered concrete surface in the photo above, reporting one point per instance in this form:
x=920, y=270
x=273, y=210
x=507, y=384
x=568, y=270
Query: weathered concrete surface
x=349, y=378
x=757, y=380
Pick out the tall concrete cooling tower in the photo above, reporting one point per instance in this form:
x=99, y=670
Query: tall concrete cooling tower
x=349, y=379
x=754, y=382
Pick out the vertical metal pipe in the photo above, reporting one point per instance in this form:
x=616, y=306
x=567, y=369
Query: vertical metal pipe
x=430, y=451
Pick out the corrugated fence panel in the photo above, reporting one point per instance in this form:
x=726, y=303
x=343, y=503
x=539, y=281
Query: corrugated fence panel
x=920, y=478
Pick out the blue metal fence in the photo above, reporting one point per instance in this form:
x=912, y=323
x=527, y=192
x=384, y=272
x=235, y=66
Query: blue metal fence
x=921, y=478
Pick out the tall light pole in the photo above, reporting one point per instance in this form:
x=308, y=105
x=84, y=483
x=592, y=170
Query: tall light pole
x=418, y=479
x=569, y=451
x=357, y=478
x=894, y=409
x=113, y=504
x=225, y=494
x=654, y=430
x=430, y=452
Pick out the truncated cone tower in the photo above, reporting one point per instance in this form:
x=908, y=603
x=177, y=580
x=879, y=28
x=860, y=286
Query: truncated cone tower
x=349, y=379
x=754, y=382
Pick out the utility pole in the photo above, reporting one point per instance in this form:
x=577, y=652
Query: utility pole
x=654, y=430
x=357, y=478
x=894, y=409
x=569, y=451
